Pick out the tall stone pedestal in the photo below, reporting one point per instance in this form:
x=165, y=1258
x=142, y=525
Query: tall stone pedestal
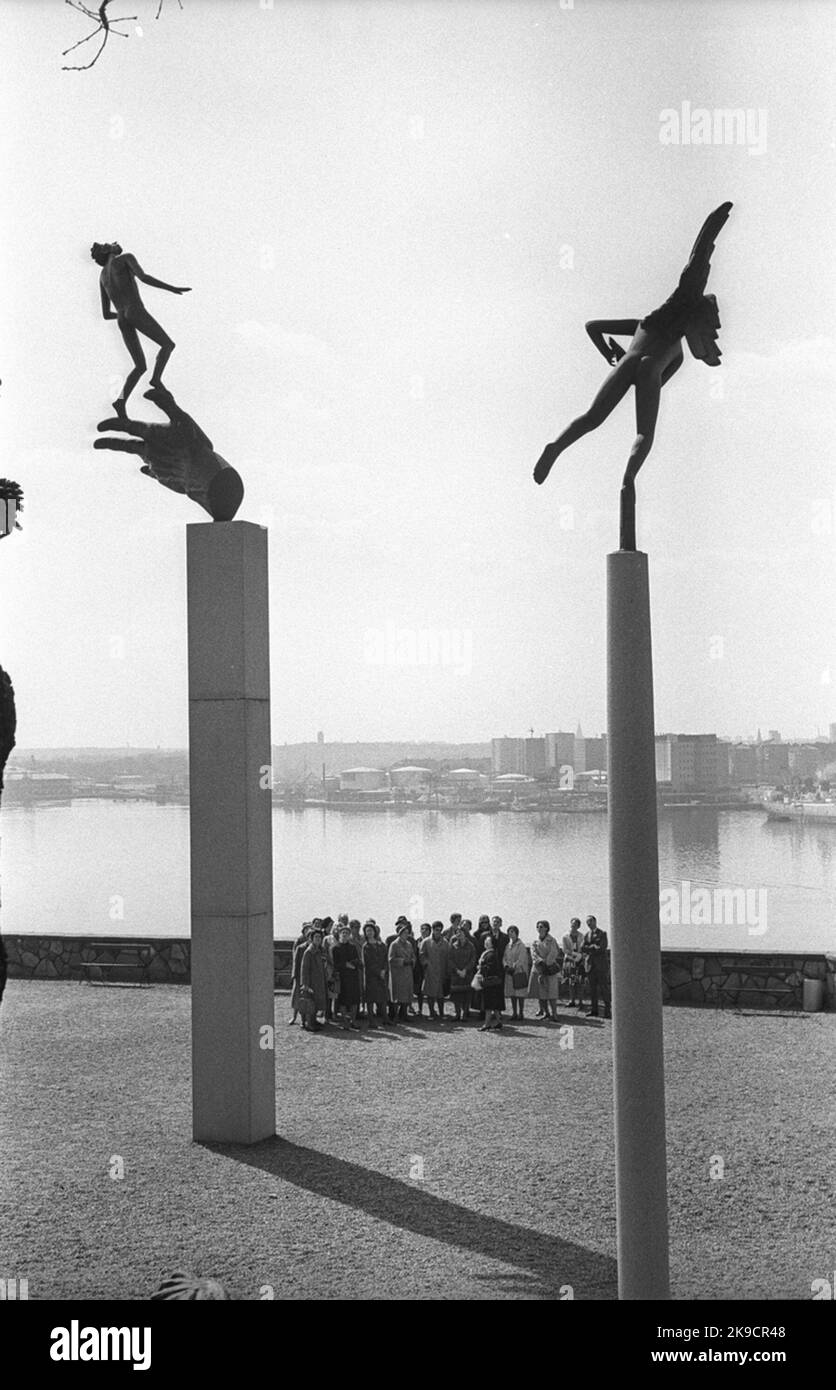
x=233, y=1060
x=638, y=1059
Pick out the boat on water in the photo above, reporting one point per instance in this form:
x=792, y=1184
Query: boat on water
x=810, y=811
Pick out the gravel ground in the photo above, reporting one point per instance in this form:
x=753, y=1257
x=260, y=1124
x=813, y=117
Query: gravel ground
x=413, y=1163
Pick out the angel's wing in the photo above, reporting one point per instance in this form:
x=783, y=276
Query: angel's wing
x=694, y=277
x=701, y=333
x=689, y=312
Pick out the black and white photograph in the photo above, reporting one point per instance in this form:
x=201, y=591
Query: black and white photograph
x=417, y=671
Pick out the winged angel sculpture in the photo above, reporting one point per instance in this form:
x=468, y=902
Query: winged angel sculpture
x=654, y=354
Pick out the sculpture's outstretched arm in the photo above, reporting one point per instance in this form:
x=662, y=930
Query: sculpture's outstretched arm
x=596, y=328
x=149, y=279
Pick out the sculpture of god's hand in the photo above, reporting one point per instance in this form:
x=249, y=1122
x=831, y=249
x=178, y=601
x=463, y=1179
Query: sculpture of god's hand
x=179, y=456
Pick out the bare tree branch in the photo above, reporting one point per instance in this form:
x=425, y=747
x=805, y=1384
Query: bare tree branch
x=104, y=26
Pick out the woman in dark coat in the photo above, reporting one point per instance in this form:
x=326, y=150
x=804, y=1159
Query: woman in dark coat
x=492, y=972
x=312, y=986
x=299, y=948
x=418, y=968
x=346, y=959
x=376, y=971
x=483, y=929
x=462, y=966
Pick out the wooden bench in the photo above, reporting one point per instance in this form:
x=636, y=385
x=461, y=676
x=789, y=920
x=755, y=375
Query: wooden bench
x=141, y=952
x=753, y=972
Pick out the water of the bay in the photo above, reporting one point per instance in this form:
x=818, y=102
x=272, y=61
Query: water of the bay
x=729, y=878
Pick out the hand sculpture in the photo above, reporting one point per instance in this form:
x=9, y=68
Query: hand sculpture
x=651, y=359
x=179, y=456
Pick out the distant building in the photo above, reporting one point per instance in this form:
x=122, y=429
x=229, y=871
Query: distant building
x=773, y=763
x=534, y=757
x=507, y=755
x=743, y=764
x=560, y=751
x=413, y=778
x=509, y=784
x=362, y=779
x=773, y=736
x=689, y=762
x=807, y=759
x=579, y=753
x=832, y=733
x=595, y=754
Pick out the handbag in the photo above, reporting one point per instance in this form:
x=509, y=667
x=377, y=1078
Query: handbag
x=519, y=979
x=477, y=982
x=553, y=969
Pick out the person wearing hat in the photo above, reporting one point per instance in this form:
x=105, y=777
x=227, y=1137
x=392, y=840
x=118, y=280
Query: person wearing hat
x=401, y=921
x=596, y=950
x=391, y=1008
x=544, y=984
x=312, y=984
x=401, y=965
x=573, y=962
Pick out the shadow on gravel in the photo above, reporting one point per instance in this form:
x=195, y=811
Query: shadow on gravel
x=546, y=1263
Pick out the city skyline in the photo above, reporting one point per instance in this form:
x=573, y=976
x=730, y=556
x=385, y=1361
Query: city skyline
x=822, y=736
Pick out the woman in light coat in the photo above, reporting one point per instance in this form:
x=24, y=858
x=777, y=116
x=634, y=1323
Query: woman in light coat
x=401, y=964
x=516, y=963
x=544, y=984
x=435, y=958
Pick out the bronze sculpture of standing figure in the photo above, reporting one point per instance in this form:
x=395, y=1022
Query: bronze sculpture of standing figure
x=654, y=354
x=118, y=287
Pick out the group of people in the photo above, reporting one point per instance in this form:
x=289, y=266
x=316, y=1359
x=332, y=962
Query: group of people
x=342, y=971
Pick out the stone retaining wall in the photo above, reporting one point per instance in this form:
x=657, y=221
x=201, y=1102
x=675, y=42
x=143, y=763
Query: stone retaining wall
x=164, y=960
x=745, y=979
x=748, y=979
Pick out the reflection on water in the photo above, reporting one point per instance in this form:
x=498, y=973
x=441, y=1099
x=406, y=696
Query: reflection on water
x=104, y=867
x=689, y=842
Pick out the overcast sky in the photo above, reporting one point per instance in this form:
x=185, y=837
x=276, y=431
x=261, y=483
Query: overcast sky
x=396, y=219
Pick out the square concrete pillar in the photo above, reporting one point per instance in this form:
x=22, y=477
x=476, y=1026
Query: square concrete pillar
x=233, y=1070
x=638, y=1051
